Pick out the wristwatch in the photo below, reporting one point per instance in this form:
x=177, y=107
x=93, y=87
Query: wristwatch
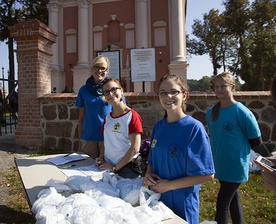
x=114, y=169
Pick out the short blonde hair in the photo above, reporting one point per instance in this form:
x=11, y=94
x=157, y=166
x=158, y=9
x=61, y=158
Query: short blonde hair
x=101, y=59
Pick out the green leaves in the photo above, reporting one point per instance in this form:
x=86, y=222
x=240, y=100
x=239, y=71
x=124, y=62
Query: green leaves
x=242, y=40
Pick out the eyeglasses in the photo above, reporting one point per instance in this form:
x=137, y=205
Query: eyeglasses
x=167, y=93
x=112, y=90
x=98, y=68
x=221, y=87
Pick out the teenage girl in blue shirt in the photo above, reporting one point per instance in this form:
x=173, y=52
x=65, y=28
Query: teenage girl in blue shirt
x=180, y=157
x=233, y=132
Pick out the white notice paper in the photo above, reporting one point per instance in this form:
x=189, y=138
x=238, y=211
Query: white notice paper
x=91, y=170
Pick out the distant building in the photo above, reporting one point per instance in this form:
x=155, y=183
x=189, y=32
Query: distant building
x=85, y=27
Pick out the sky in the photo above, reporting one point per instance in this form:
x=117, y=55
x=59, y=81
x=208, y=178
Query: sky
x=199, y=66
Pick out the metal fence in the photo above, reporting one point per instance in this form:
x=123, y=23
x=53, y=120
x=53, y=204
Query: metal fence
x=8, y=105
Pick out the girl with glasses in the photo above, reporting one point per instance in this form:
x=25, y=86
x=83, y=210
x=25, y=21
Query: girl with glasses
x=233, y=132
x=122, y=129
x=180, y=156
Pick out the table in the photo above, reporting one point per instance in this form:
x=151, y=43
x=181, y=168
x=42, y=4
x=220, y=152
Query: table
x=34, y=173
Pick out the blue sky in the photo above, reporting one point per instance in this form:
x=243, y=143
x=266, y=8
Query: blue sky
x=199, y=65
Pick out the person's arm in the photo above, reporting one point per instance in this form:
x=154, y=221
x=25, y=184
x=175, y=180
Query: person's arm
x=135, y=142
x=135, y=139
x=80, y=120
x=255, y=142
x=163, y=185
x=150, y=178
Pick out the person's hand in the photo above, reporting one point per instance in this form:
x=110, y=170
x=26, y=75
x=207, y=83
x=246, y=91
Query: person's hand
x=161, y=186
x=105, y=166
x=150, y=179
x=99, y=161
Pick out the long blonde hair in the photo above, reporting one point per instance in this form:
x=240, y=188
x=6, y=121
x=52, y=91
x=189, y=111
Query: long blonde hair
x=229, y=79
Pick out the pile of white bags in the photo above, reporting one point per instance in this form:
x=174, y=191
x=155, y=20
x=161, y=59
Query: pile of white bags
x=111, y=200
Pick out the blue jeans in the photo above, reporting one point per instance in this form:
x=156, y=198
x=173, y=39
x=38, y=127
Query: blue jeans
x=228, y=200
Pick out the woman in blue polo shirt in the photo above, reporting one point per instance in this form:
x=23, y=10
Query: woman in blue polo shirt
x=92, y=109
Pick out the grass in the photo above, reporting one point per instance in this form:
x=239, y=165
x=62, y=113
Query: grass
x=258, y=203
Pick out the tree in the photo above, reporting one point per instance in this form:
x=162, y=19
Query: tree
x=10, y=15
x=263, y=47
x=205, y=84
x=237, y=23
x=34, y=9
x=242, y=40
x=209, y=34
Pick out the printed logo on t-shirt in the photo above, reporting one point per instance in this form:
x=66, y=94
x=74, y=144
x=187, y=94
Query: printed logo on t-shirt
x=153, y=143
x=117, y=126
x=227, y=126
x=174, y=150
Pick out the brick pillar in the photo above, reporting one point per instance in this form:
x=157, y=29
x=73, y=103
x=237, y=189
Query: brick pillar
x=34, y=40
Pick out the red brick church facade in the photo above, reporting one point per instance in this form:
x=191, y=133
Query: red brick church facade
x=85, y=27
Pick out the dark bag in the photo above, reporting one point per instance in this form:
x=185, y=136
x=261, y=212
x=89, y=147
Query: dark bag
x=140, y=163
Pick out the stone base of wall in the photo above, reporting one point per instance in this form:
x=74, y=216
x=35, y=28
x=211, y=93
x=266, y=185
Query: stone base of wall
x=59, y=116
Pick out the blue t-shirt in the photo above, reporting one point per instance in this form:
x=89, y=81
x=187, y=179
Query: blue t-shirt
x=181, y=149
x=95, y=111
x=229, y=136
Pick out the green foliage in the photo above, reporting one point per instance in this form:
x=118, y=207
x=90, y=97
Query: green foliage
x=242, y=40
x=11, y=13
x=34, y=9
x=204, y=84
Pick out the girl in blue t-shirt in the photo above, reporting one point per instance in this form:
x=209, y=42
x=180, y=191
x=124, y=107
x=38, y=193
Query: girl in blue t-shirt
x=233, y=132
x=180, y=157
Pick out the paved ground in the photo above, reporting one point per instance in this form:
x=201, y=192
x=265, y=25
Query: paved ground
x=8, y=151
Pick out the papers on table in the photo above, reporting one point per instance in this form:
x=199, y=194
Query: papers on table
x=85, y=171
x=60, y=160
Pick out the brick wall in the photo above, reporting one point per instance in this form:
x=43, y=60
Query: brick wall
x=59, y=116
x=34, y=41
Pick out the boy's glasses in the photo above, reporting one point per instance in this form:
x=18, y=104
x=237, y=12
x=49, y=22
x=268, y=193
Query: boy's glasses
x=112, y=90
x=169, y=93
x=99, y=68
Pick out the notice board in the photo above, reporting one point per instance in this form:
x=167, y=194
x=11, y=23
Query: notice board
x=143, y=65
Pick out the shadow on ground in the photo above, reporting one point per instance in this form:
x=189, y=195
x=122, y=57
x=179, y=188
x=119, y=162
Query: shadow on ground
x=10, y=216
